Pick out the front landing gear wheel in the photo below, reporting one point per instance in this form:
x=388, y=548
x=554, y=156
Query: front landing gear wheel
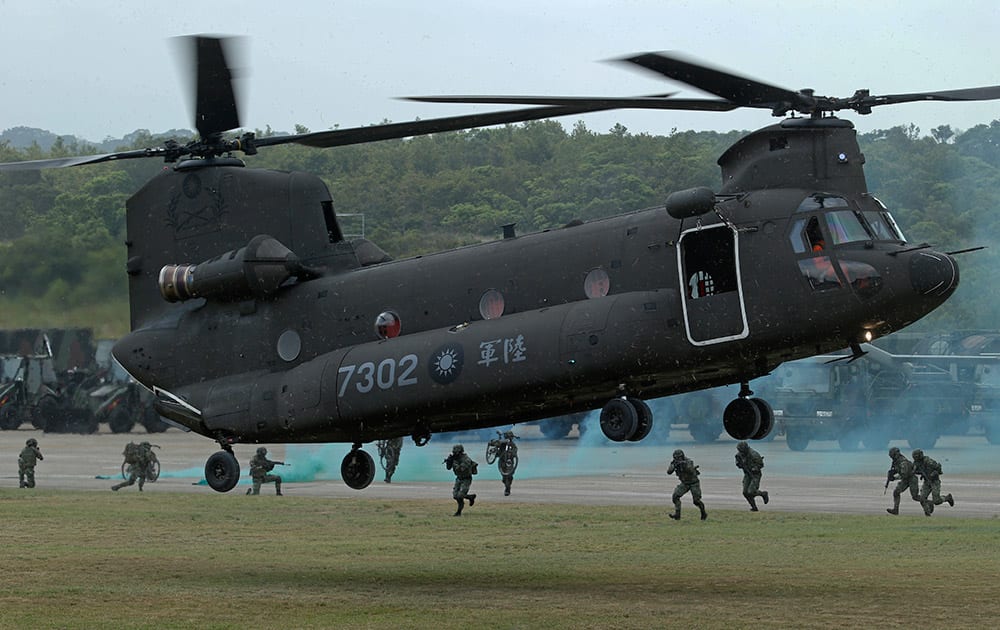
x=358, y=469
x=619, y=420
x=741, y=419
x=222, y=471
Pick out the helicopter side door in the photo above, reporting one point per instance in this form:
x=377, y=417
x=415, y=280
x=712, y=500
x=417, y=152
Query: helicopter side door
x=708, y=260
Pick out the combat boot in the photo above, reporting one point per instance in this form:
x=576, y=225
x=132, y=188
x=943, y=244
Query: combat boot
x=249, y=491
x=928, y=508
x=461, y=504
x=676, y=515
x=704, y=514
x=471, y=498
x=277, y=489
x=763, y=495
x=893, y=511
x=950, y=500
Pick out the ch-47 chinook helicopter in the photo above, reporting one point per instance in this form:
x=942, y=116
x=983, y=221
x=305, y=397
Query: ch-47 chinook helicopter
x=254, y=320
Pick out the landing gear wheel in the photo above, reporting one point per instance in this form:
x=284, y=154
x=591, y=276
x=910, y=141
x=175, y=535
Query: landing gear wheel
x=120, y=421
x=766, y=418
x=358, y=469
x=644, y=420
x=741, y=419
x=703, y=432
x=619, y=419
x=222, y=471
x=10, y=416
x=508, y=464
x=46, y=416
x=796, y=439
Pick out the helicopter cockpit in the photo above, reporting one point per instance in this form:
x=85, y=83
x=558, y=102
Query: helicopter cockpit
x=828, y=221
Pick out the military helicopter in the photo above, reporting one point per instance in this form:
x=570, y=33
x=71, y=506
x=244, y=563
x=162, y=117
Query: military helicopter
x=255, y=321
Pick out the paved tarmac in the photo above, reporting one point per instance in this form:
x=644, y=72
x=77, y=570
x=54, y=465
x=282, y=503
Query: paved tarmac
x=820, y=479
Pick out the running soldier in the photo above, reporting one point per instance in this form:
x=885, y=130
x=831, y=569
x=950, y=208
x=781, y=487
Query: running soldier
x=463, y=467
x=687, y=473
x=930, y=471
x=260, y=472
x=388, y=451
x=750, y=462
x=30, y=455
x=137, y=458
x=901, y=469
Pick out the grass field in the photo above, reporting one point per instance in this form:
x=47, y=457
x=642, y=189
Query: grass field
x=165, y=560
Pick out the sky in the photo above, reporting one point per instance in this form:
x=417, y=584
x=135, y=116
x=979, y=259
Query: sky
x=104, y=68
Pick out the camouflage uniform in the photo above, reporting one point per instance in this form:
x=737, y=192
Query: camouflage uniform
x=511, y=448
x=687, y=473
x=751, y=462
x=463, y=467
x=30, y=455
x=389, y=450
x=260, y=472
x=137, y=457
x=902, y=469
x=930, y=471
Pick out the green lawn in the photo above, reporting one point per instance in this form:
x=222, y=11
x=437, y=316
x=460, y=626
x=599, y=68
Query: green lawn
x=163, y=560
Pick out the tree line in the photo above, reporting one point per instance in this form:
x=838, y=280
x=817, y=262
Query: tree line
x=61, y=243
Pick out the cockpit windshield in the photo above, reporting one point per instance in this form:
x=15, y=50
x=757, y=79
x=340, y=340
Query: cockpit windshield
x=846, y=224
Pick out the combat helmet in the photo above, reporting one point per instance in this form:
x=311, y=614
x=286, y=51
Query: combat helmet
x=742, y=445
x=918, y=453
x=678, y=454
x=32, y=442
x=458, y=448
x=508, y=435
x=262, y=451
x=893, y=452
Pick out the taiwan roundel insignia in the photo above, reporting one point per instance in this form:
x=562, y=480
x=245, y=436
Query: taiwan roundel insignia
x=446, y=363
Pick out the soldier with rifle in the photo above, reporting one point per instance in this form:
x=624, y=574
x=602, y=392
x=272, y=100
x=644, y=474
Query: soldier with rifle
x=687, y=474
x=901, y=469
x=930, y=471
x=463, y=467
x=260, y=472
x=751, y=462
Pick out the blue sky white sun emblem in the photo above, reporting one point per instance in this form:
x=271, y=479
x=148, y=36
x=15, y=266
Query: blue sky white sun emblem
x=446, y=363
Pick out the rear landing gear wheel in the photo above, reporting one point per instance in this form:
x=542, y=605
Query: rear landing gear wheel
x=357, y=469
x=222, y=471
x=619, y=419
x=741, y=419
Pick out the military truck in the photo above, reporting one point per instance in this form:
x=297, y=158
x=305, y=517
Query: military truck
x=36, y=394
x=869, y=400
x=818, y=398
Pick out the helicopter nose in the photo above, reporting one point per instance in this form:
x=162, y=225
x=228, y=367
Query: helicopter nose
x=933, y=273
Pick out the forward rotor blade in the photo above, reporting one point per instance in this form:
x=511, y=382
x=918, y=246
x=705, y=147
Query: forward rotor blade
x=740, y=90
x=604, y=102
x=988, y=93
x=358, y=135
x=215, y=102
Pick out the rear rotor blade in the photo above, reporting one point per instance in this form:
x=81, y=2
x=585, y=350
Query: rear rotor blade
x=603, y=102
x=215, y=102
x=358, y=135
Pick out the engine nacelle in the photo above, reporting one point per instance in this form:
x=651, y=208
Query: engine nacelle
x=253, y=271
x=692, y=202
